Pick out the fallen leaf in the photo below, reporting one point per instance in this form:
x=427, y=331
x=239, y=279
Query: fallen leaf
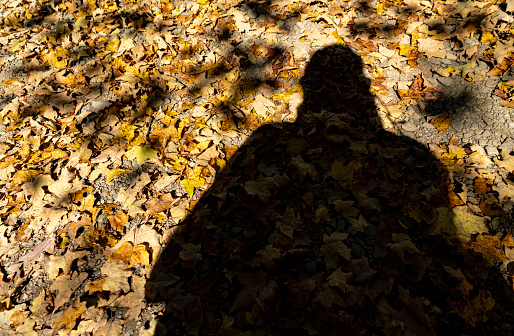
x=441, y=122
x=334, y=248
x=141, y=154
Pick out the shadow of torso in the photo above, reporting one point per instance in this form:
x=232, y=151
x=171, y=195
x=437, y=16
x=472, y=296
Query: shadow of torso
x=322, y=226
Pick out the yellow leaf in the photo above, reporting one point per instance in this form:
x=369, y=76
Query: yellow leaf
x=441, y=122
x=12, y=20
x=5, y=304
x=457, y=222
x=113, y=46
x=487, y=245
x=18, y=317
x=95, y=286
x=285, y=95
x=63, y=241
x=141, y=154
x=118, y=221
x=10, y=82
x=140, y=254
x=127, y=131
x=77, y=80
x=230, y=151
x=406, y=49
x=67, y=320
x=22, y=176
x=345, y=174
x=191, y=184
x=113, y=173
x=487, y=37
x=57, y=58
x=200, y=147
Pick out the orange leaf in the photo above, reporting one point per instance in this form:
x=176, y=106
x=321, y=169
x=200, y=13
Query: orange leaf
x=118, y=221
x=123, y=253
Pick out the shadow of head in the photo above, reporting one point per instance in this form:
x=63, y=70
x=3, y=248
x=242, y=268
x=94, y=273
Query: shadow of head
x=334, y=82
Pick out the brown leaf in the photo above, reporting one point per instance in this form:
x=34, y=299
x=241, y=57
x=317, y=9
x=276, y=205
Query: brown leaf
x=252, y=282
x=475, y=310
x=333, y=248
x=158, y=204
x=481, y=186
x=190, y=255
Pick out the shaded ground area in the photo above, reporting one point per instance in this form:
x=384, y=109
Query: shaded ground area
x=327, y=224
x=256, y=167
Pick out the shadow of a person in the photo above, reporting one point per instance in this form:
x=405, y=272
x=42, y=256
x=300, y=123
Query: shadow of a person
x=321, y=226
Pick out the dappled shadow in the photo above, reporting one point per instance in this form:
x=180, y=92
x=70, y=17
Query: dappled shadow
x=326, y=224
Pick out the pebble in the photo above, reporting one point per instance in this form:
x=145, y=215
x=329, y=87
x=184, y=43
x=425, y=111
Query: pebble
x=371, y=230
x=409, y=126
x=487, y=120
x=495, y=224
x=380, y=251
x=508, y=145
x=310, y=266
x=341, y=225
x=491, y=151
x=357, y=251
x=446, y=81
x=458, y=125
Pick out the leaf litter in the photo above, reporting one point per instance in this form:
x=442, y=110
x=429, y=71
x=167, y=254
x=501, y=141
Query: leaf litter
x=136, y=168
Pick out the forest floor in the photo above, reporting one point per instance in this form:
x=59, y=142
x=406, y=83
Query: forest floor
x=118, y=116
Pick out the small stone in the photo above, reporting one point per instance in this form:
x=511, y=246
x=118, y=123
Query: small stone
x=371, y=230
x=341, y=225
x=507, y=146
x=357, y=251
x=478, y=149
x=236, y=229
x=380, y=251
x=491, y=150
x=487, y=120
x=409, y=126
x=458, y=125
x=495, y=224
x=310, y=266
x=473, y=200
x=446, y=81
